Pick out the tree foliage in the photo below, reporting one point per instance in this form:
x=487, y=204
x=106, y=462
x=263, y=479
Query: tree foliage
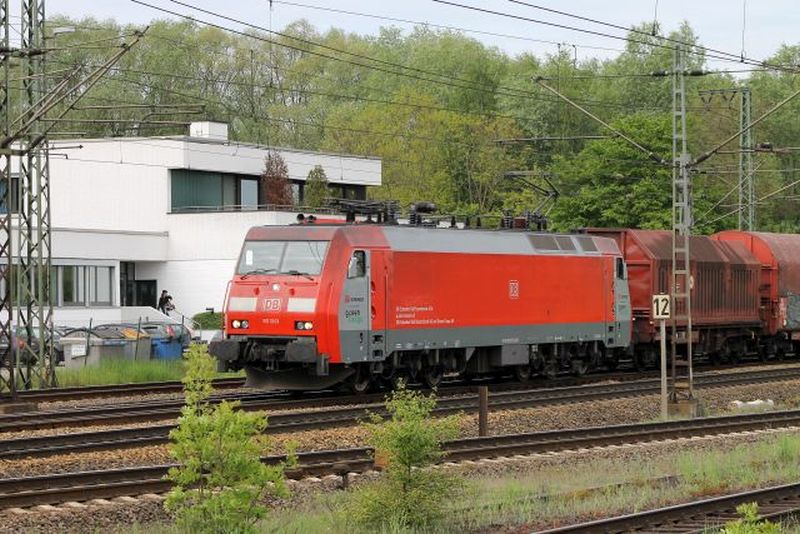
x=438, y=141
x=275, y=186
x=316, y=188
x=221, y=481
x=411, y=494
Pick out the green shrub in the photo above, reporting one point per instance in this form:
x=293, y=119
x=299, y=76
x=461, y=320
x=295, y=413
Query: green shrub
x=411, y=494
x=316, y=188
x=209, y=320
x=750, y=523
x=221, y=482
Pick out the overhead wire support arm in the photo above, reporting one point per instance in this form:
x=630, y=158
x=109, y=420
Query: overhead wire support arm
x=650, y=154
x=81, y=88
x=704, y=156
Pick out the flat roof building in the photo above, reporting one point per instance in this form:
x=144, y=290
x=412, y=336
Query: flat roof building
x=133, y=216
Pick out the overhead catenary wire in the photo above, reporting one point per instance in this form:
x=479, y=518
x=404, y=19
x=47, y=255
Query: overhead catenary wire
x=714, y=52
x=707, y=53
x=442, y=26
x=382, y=65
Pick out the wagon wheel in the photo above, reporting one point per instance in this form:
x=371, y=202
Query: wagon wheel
x=644, y=360
x=522, y=372
x=432, y=375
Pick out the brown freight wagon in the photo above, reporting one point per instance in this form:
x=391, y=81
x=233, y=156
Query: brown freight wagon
x=724, y=295
x=779, y=257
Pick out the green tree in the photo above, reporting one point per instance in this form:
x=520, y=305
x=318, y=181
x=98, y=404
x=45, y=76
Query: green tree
x=275, y=187
x=316, y=188
x=411, y=494
x=221, y=481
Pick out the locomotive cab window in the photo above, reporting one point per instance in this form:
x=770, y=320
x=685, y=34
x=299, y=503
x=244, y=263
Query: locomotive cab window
x=282, y=257
x=358, y=265
x=621, y=269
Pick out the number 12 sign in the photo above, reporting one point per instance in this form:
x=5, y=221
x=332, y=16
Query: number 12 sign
x=661, y=307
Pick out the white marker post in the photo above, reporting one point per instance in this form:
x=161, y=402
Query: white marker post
x=661, y=312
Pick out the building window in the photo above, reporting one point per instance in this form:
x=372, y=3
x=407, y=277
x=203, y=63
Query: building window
x=248, y=193
x=100, y=286
x=72, y=286
x=14, y=195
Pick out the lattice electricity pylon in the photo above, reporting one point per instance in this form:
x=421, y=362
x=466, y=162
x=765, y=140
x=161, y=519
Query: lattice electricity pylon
x=7, y=372
x=747, y=193
x=35, y=356
x=681, y=383
x=746, y=188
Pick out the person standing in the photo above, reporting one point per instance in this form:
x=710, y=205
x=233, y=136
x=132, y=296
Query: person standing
x=165, y=302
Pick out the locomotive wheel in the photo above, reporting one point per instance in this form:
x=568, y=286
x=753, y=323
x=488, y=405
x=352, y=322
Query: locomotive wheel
x=579, y=366
x=522, y=372
x=611, y=360
x=432, y=376
x=361, y=381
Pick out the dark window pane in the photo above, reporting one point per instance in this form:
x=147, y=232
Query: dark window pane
x=543, y=242
x=195, y=189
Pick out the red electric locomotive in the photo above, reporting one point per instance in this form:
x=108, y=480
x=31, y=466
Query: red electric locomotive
x=314, y=305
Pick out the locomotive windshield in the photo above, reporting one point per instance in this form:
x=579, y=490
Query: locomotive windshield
x=282, y=257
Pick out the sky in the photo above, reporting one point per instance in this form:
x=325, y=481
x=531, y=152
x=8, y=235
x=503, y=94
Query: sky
x=719, y=23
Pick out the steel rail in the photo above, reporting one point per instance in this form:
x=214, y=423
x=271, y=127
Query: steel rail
x=62, y=487
x=775, y=503
x=33, y=446
x=114, y=390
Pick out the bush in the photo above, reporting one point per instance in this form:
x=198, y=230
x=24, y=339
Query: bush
x=411, y=494
x=316, y=189
x=750, y=523
x=221, y=482
x=209, y=320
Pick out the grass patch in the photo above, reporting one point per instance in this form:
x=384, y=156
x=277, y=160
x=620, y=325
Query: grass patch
x=119, y=371
x=581, y=491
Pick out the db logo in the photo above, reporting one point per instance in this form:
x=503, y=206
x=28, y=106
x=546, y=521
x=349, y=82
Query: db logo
x=513, y=289
x=272, y=304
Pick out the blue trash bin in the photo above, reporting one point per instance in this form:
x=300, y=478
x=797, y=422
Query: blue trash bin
x=167, y=348
x=166, y=345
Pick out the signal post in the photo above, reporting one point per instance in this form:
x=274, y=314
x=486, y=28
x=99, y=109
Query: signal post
x=661, y=313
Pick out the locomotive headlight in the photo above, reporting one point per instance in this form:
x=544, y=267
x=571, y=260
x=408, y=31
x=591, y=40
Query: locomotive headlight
x=236, y=323
x=300, y=325
x=245, y=324
x=309, y=325
x=276, y=287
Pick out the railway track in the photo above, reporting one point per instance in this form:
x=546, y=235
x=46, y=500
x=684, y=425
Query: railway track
x=775, y=503
x=145, y=388
x=63, y=487
x=115, y=390
x=37, y=446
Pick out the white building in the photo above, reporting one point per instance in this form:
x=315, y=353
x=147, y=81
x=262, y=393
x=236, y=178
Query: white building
x=133, y=216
